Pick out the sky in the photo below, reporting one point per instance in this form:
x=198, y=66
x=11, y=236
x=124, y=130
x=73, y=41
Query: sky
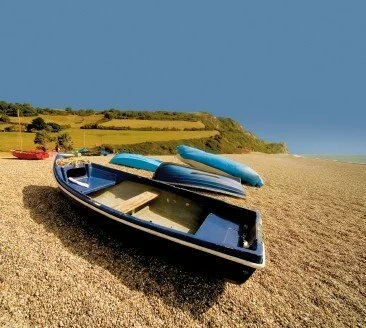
x=291, y=71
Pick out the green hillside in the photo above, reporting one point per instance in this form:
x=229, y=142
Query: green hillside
x=145, y=132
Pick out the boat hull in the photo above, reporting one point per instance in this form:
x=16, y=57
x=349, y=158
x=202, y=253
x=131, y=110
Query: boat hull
x=189, y=259
x=30, y=155
x=202, y=240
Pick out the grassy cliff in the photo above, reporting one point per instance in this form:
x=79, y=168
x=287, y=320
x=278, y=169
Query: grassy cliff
x=149, y=132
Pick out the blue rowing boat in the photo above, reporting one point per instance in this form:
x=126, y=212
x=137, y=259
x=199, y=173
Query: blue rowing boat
x=188, y=177
x=136, y=161
x=211, y=227
x=217, y=164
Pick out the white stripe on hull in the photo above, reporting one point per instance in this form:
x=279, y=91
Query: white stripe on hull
x=206, y=168
x=176, y=240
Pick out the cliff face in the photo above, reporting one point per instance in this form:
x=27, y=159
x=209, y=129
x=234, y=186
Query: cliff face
x=280, y=148
x=233, y=138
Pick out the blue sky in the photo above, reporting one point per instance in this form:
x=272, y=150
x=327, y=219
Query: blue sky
x=292, y=71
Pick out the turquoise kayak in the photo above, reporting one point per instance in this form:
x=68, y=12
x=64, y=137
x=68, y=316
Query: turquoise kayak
x=136, y=161
x=218, y=164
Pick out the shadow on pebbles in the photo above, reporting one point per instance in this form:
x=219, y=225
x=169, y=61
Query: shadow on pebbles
x=140, y=263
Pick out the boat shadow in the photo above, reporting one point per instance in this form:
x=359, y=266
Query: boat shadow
x=140, y=262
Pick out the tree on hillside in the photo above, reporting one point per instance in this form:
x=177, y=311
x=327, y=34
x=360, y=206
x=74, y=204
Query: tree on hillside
x=64, y=141
x=109, y=115
x=37, y=124
x=42, y=138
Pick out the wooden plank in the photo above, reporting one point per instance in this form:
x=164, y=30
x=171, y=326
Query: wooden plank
x=131, y=204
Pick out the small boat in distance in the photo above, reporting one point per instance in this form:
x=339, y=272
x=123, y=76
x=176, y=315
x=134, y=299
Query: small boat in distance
x=188, y=177
x=214, y=228
x=27, y=154
x=30, y=154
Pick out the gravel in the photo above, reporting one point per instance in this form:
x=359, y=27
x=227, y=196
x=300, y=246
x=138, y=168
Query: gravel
x=60, y=267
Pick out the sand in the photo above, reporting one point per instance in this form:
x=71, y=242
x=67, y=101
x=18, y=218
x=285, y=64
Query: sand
x=59, y=267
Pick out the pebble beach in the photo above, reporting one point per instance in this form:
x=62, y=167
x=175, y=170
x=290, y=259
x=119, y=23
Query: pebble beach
x=59, y=267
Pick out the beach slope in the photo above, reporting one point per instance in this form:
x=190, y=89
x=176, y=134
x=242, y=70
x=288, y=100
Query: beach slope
x=61, y=267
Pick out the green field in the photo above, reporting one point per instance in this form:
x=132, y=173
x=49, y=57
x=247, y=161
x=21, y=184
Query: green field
x=94, y=137
x=75, y=121
x=181, y=125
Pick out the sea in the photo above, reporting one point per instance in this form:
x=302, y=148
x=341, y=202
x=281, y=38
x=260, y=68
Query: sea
x=357, y=159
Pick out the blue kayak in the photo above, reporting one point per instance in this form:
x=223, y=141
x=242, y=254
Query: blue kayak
x=136, y=161
x=219, y=165
x=188, y=177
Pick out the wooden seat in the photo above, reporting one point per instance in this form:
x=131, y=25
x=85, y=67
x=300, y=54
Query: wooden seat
x=131, y=204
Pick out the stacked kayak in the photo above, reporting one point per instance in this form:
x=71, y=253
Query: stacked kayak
x=183, y=176
x=188, y=177
x=217, y=164
x=207, y=171
x=136, y=161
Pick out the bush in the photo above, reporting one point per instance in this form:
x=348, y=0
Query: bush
x=54, y=127
x=42, y=138
x=64, y=141
x=11, y=128
x=89, y=126
x=15, y=128
x=4, y=118
x=37, y=124
x=109, y=115
x=85, y=112
x=108, y=148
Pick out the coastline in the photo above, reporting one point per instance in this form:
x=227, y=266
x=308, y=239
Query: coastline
x=60, y=266
x=351, y=159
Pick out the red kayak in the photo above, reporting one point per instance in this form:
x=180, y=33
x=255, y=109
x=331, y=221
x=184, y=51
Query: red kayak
x=31, y=154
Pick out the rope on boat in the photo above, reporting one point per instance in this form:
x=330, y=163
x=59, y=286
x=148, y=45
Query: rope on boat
x=72, y=161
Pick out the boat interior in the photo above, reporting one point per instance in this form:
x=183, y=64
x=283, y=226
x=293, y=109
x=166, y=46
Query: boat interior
x=157, y=204
x=152, y=204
